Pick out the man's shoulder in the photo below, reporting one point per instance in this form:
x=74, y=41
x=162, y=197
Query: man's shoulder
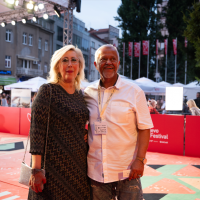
x=130, y=84
x=89, y=90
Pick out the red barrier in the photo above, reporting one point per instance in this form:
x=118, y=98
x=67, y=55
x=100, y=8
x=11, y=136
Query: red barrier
x=25, y=118
x=9, y=120
x=192, y=136
x=167, y=134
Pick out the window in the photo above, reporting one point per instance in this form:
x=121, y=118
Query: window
x=58, y=46
x=77, y=40
x=39, y=43
x=93, y=45
x=59, y=34
x=8, y=61
x=30, y=40
x=47, y=25
x=26, y=64
x=46, y=45
x=8, y=35
x=45, y=68
x=24, y=38
x=85, y=45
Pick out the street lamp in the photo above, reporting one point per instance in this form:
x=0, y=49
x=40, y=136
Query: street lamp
x=13, y=22
x=24, y=21
x=41, y=6
x=3, y=24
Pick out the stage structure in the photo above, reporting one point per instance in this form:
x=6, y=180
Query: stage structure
x=12, y=11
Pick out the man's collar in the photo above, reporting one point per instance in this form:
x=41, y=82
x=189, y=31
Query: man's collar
x=117, y=84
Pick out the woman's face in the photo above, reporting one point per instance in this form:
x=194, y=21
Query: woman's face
x=69, y=67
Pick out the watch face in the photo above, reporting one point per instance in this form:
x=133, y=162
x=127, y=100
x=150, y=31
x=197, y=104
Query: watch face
x=145, y=161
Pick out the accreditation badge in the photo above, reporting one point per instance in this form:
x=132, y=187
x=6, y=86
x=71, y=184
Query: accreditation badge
x=100, y=127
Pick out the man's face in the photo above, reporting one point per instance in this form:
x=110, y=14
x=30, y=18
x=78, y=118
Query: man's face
x=198, y=95
x=107, y=63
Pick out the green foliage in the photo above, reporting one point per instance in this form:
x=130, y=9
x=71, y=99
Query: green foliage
x=138, y=21
x=176, y=27
x=192, y=31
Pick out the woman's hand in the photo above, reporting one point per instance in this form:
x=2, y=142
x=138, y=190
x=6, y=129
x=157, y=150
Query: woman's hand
x=36, y=182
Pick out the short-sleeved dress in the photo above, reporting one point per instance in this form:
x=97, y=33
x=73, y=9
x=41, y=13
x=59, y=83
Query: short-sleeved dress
x=66, y=155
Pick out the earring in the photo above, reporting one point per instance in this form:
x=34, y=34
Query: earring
x=59, y=76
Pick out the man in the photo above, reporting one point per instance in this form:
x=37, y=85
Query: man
x=119, y=131
x=197, y=100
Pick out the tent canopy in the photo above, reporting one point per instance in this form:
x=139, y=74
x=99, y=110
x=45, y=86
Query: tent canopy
x=33, y=84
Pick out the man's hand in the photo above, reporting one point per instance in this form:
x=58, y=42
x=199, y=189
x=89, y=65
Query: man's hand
x=36, y=182
x=137, y=169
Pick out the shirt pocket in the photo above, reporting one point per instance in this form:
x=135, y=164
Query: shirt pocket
x=119, y=112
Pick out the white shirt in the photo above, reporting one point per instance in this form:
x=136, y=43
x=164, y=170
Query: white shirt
x=126, y=112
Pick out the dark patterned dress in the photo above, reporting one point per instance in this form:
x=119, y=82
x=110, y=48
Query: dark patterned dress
x=66, y=156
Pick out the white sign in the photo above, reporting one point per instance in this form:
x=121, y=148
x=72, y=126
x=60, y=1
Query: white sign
x=174, y=98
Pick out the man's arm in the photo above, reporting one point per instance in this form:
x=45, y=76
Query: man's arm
x=137, y=168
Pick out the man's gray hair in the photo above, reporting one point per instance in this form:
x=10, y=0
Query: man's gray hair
x=106, y=45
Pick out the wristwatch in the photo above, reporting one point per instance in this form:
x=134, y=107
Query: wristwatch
x=143, y=160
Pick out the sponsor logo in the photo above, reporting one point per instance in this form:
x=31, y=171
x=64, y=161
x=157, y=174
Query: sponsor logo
x=154, y=134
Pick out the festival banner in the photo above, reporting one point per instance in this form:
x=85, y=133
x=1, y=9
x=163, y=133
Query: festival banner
x=186, y=42
x=156, y=47
x=192, y=136
x=136, y=49
x=130, y=48
x=123, y=49
x=165, y=138
x=145, y=47
x=175, y=46
x=166, y=41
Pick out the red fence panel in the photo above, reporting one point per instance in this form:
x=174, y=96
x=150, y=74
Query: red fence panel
x=9, y=120
x=192, y=136
x=25, y=118
x=167, y=136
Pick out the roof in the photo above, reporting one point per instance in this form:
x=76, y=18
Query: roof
x=99, y=31
x=95, y=36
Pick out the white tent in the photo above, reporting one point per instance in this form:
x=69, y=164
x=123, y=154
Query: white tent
x=165, y=84
x=178, y=85
x=191, y=89
x=33, y=84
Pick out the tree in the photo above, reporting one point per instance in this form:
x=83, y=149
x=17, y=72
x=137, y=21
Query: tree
x=138, y=21
x=176, y=27
x=193, y=29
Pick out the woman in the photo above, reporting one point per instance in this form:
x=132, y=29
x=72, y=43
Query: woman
x=4, y=101
x=152, y=107
x=193, y=107
x=66, y=155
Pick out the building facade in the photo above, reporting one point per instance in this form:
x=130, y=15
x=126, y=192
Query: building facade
x=26, y=50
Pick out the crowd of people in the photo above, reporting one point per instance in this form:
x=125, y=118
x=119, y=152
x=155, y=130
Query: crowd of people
x=190, y=107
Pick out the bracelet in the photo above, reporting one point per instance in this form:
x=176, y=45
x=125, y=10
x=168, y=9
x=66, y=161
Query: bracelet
x=35, y=171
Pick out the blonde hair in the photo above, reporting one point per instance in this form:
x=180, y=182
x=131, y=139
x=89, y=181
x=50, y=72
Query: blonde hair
x=151, y=103
x=54, y=76
x=105, y=45
x=191, y=103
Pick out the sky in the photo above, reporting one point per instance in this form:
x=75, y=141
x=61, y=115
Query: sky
x=98, y=14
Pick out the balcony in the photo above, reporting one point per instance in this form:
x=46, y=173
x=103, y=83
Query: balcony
x=29, y=72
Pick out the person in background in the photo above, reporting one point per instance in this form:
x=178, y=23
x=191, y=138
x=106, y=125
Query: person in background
x=159, y=104
x=197, y=100
x=193, y=107
x=8, y=100
x=0, y=99
x=152, y=107
x=4, y=101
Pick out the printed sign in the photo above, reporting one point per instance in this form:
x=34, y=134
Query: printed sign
x=136, y=49
x=145, y=47
x=130, y=47
x=167, y=134
x=175, y=46
x=166, y=41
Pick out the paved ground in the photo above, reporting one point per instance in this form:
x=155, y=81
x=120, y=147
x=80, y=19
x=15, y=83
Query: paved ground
x=166, y=177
